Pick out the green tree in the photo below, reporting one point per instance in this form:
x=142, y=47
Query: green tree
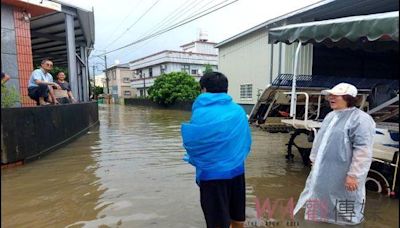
x=172, y=87
x=9, y=96
x=98, y=90
x=208, y=69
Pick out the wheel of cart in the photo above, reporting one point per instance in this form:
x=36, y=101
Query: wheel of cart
x=300, y=140
x=382, y=177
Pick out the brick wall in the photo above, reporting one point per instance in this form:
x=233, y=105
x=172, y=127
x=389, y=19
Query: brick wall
x=24, y=56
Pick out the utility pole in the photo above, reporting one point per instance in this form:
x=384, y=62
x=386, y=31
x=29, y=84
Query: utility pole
x=107, y=79
x=94, y=76
x=144, y=85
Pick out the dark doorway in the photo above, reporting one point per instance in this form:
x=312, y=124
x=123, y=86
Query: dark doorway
x=345, y=62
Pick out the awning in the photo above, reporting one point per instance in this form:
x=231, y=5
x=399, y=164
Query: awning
x=382, y=26
x=48, y=34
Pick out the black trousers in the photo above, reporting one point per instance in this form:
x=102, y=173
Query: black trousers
x=42, y=90
x=223, y=201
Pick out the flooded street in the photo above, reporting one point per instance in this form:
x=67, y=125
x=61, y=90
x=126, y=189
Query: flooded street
x=128, y=172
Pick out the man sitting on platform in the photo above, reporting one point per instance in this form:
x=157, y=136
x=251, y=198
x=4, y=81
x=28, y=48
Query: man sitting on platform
x=41, y=84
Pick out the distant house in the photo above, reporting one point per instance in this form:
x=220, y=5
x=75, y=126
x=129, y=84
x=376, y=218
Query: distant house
x=100, y=80
x=192, y=58
x=120, y=77
x=251, y=63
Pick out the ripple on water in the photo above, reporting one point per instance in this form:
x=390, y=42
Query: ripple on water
x=128, y=172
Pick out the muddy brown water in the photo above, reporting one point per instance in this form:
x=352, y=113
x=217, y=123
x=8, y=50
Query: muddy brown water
x=128, y=172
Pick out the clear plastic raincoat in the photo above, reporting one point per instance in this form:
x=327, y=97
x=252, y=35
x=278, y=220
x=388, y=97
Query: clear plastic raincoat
x=342, y=147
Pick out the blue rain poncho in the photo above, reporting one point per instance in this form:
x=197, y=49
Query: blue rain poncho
x=342, y=147
x=217, y=139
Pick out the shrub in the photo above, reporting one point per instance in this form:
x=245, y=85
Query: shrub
x=172, y=87
x=9, y=96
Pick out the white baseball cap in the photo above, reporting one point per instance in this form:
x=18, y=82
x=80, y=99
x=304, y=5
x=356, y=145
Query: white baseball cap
x=341, y=89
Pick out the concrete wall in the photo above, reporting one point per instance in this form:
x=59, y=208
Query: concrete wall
x=31, y=132
x=185, y=106
x=8, y=47
x=16, y=51
x=245, y=61
x=205, y=48
x=180, y=105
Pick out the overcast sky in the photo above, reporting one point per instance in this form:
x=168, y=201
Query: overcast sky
x=113, y=18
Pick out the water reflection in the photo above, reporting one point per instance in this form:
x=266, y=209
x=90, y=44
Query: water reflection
x=54, y=191
x=129, y=173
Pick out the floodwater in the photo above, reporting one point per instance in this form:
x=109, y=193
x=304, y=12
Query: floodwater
x=128, y=172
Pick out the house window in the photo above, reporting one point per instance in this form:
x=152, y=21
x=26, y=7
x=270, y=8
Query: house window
x=126, y=80
x=114, y=76
x=246, y=91
x=150, y=72
x=186, y=68
x=127, y=93
x=114, y=90
x=139, y=72
x=163, y=68
x=194, y=71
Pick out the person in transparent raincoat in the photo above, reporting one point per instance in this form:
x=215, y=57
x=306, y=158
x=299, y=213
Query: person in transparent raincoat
x=341, y=157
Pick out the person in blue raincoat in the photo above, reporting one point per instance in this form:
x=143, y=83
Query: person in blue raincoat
x=341, y=157
x=217, y=141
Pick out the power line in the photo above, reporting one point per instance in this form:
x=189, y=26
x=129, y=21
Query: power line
x=171, y=16
x=127, y=54
x=181, y=23
x=134, y=23
x=123, y=20
x=175, y=13
x=166, y=25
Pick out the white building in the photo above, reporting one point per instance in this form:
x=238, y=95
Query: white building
x=120, y=77
x=192, y=58
x=250, y=63
x=100, y=80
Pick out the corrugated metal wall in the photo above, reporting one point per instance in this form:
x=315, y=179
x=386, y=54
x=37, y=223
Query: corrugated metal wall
x=305, y=58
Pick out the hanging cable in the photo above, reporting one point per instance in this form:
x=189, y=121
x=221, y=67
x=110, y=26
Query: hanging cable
x=123, y=20
x=179, y=24
x=134, y=23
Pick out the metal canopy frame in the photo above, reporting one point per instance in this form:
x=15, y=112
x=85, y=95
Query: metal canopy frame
x=374, y=27
x=67, y=38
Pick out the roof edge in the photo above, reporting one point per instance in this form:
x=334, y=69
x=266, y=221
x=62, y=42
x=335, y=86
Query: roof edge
x=157, y=53
x=273, y=20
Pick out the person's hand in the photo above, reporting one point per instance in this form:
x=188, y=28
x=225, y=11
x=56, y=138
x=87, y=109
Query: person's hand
x=57, y=86
x=351, y=183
